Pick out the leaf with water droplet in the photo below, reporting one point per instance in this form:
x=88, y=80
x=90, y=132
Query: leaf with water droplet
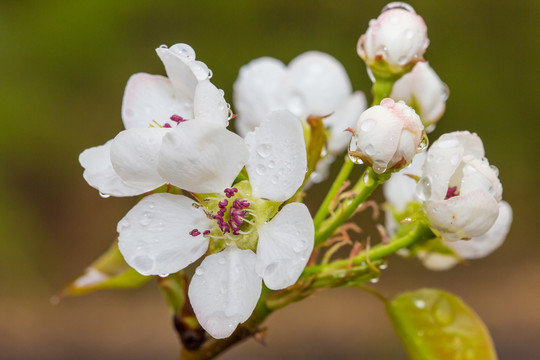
x=109, y=271
x=443, y=327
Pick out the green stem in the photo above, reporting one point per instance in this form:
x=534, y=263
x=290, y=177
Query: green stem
x=346, y=169
x=364, y=188
x=382, y=88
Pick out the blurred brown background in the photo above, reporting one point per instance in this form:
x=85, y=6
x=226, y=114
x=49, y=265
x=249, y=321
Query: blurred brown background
x=63, y=67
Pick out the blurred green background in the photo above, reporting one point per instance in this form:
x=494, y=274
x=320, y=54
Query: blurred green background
x=63, y=68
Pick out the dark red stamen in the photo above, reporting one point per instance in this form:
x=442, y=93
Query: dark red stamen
x=230, y=192
x=206, y=232
x=177, y=119
x=194, y=232
x=167, y=125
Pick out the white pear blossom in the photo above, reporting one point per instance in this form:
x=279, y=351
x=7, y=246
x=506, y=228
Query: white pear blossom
x=387, y=136
x=457, y=182
x=314, y=83
x=164, y=233
x=423, y=90
x=152, y=106
x=395, y=41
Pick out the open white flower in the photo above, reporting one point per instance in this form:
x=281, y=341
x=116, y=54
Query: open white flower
x=152, y=105
x=164, y=233
x=395, y=41
x=314, y=83
x=387, y=136
x=453, y=166
x=423, y=90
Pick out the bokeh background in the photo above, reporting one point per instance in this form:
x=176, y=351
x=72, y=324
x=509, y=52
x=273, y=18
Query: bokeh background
x=63, y=68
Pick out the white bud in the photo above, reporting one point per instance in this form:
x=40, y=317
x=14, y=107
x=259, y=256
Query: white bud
x=387, y=136
x=395, y=41
x=423, y=88
x=464, y=191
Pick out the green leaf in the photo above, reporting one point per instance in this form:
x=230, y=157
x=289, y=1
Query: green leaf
x=433, y=324
x=109, y=271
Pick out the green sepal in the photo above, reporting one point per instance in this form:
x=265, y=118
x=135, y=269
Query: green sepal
x=434, y=324
x=109, y=271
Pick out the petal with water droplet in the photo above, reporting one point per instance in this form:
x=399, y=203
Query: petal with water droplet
x=100, y=174
x=280, y=139
x=201, y=157
x=179, y=71
x=224, y=293
x=152, y=97
x=134, y=154
x=285, y=245
x=209, y=104
x=155, y=234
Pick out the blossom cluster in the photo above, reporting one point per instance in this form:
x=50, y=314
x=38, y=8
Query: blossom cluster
x=230, y=204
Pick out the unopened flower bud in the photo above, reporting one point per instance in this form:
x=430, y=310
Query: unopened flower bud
x=394, y=42
x=460, y=190
x=387, y=136
x=423, y=90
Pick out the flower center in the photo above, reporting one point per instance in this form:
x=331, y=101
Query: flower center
x=175, y=118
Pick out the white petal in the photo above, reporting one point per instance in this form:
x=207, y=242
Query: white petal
x=400, y=189
x=477, y=174
x=345, y=117
x=483, y=245
x=201, y=157
x=277, y=156
x=257, y=92
x=134, y=154
x=209, y=104
x=438, y=262
x=155, y=234
x=177, y=61
x=285, y=245
x=100, y=174
x=315, y=83
x=464, y=216
x=152, y=97
x=225, y=290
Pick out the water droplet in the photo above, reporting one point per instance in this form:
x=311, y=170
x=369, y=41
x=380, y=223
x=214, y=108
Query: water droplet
x=370, y=74
x=383, y=266
x=402, y=60
x=124, y=224
x=370, y=150
x=261, y=169
x=419, y=303
x=210, y=73
x=163, y=46
x=491, y=190
x=199, y=271
x=221, y=260
x=423, y=144
x=272, y=164
x=151, y=205
x=423, y=188
x=270, y=269
x=264, y=150
x=388, y=102
x=379, y=166
x=445, y=92
x=163, y=275
x=448, y=143
x=366, y=179
x=146, y=219
x=442, y=312
x=368, y=124
x=374, y=280
x=353, y=148
x=103, y=195
x=495, y=169
x=274, y=180
x=183, y=50
x=299, y=246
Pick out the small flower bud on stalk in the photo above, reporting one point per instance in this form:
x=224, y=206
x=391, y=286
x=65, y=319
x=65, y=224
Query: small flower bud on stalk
x=394, y=42
x=423, y=90
x=387, y=136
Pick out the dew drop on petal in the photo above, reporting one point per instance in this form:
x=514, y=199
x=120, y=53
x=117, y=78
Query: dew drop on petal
x=442, y=312
x=370, y=150
x=271, y=164
x=423, y=144
x=124, y=224
x=163, y=46
x=143, y=262
x=379, y=166
x=445, y=92
x=221, y=260
x=183, y=50
x=270, y=269
x=199, y=271
x=274, y=179
x=151, y=205
x=495, y=169
x=146, y=219
x=163, y=275
x=260, y=169
x=264, y=150
x=103, y=195
x=423, y=188
x=367, y=125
